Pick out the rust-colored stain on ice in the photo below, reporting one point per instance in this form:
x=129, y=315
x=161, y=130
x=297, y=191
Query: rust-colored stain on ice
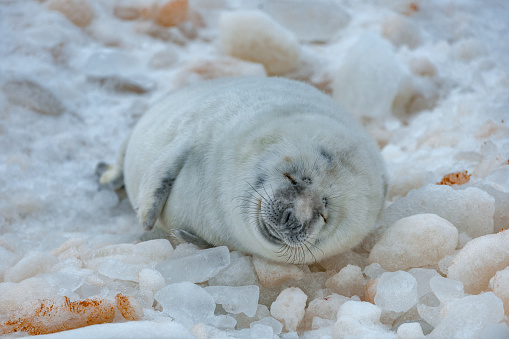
x=458, y=178
x=55, y=315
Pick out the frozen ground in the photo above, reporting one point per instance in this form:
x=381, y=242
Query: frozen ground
x=430, y=81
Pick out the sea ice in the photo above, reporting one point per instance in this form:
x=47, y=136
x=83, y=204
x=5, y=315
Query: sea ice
x=368, y=79
x=360, y=319
x=499, y=284
x=30, y=266
x=470, y=210
x=236, y=299
x=348, y=282
x=272, y=274
x=239, y=272
x=396, y=291
x=196, y=267
x=479, y=260
x=7, y=258
x=127, y=330
x=79, y=12
x=34, y=96
x=187, y=303
x=324, y=308
x=496, y=186
x=256, y=37
x=337, y=262
x=497, y=331
x=318, y=21
x=445, y=289
x=277, y=327
x=151, y=280
x=410, y=331
x=466, y=317
x=289, y=308
x=415, y=241
x=142, y=253
x=117, y=269
x=374, y=270
x=423, y=276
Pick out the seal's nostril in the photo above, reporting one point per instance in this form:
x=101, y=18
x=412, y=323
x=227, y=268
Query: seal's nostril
x=287, y=215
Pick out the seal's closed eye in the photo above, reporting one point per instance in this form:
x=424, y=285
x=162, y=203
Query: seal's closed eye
x=290, y=178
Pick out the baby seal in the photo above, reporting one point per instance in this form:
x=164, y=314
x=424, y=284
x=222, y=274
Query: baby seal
x=267, y=166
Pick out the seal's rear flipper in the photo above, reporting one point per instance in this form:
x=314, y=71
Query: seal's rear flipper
x=113, y=176
x=184, y=236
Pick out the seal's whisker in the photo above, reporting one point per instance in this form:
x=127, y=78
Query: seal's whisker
x=309, y=250
x=257, y=192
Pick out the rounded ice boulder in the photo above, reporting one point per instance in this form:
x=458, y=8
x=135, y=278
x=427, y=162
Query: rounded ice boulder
x=415, y=241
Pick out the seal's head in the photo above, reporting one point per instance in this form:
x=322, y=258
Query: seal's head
x=311, y=203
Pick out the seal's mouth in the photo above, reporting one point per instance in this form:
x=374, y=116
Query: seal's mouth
x=269, y=233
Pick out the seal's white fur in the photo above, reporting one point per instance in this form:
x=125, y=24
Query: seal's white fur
x=195, y=153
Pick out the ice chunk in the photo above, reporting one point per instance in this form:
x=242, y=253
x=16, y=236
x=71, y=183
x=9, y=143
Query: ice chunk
x=396, y=291
x=479, y=260
x=470, y=210
x=172, y=13
x=415, y=241
x=369, y=77
x=445, y=289
x=31, y=265
x=272, y=274
x=498, y=331
x=423, y=276
x=54, y=315
x=324, y=308
x=370, y=291
x=116, y=269
x=277, y=327
x=198, y=266
x=256, y=37
x=348, y=282
x=261, y=331
x=360, y=319
x=499, y=284
x=204, y=69
x=119, y=71
x=7, y=258
x=289, y=308
x=495, y=184
x=187, y=303
x=110, y=62
x=130, y=329
x=410, y=331
x=13, y=295
x=35, y=97
x=401, y=31
x=337, y=262
x=374, y=270
x=240, y=272
x=128, y=307
x=79, y=12
x=466, y=317
x=243, y=321
x=150, y=279
x=236, y=299
x=318, y=21
x=141, y=253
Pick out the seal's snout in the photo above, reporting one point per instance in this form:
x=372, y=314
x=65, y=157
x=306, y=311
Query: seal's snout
x=289, y=223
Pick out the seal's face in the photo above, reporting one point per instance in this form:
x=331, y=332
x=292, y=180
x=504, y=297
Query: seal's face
x=290, y=205
x=292, y=215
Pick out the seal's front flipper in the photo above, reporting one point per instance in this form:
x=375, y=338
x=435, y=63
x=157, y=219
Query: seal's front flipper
x=184, y=236
x=157, y=182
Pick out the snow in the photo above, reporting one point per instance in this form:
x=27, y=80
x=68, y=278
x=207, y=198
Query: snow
x=428, y=79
